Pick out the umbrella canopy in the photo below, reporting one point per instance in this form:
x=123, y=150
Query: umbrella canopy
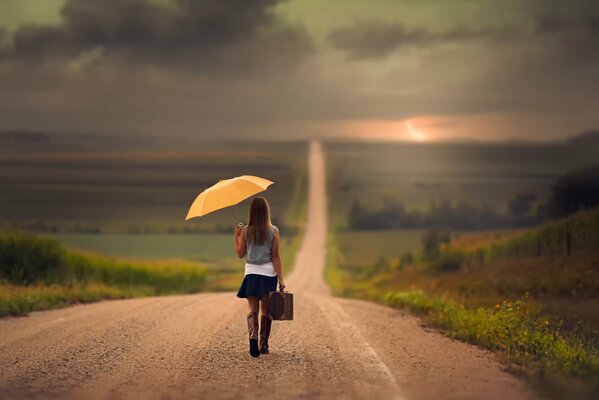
x=227, y=193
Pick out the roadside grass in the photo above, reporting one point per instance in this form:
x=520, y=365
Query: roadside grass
x=539, y=313
x=511, y=327
x=38, y=273
x=533, y=347
x=20, y=300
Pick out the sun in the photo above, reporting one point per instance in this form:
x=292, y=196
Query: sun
x=419, y=137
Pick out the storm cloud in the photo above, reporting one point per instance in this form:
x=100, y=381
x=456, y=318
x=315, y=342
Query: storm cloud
x=297, y=68
x=215, y=34
x=372, y=39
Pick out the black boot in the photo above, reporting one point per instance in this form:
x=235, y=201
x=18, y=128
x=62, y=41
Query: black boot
x=253, y=332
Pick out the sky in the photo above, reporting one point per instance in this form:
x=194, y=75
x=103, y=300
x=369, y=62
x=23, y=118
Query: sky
x=420, y=70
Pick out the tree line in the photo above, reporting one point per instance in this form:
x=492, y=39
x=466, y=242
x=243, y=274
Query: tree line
x=575, y=191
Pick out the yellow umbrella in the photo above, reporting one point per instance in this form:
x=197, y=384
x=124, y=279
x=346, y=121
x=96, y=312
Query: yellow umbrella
x=227, y=193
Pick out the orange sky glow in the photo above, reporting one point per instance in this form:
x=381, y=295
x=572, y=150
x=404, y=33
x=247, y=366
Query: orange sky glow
x=427, y=128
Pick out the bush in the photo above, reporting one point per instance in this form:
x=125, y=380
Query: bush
x=406, y=259
x=381, y=265
x=448, y=261
x=432, y=242
x=25, y=259
x=576, y=191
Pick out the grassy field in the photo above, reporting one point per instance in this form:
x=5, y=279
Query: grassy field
x=359, y=248
x=538, y=310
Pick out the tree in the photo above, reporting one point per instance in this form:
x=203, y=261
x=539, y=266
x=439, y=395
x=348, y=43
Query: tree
x=575, y=191
x=520, y=206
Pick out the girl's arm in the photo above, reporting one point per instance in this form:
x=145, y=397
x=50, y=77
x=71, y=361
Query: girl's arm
x=240, y=247
x=276, y=259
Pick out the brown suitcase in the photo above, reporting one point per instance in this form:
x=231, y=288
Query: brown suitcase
x=280, y=306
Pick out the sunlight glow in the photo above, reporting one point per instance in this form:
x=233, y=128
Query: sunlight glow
x=415, y=134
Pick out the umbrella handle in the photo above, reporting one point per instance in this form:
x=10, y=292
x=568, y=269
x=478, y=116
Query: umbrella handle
x=240, y=224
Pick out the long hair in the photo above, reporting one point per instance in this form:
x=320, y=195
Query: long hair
x=259, y=221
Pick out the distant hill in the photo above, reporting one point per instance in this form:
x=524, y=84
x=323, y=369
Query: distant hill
x=589, y=138
x=23, y=137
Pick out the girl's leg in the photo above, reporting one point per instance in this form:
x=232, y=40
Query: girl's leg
x=264, y=305
x=253, y=304
x=265, y=325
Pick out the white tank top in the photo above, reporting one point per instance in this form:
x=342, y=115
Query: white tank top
x=266, y=269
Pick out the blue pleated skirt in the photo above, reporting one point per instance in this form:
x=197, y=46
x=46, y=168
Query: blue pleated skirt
x=257, y=285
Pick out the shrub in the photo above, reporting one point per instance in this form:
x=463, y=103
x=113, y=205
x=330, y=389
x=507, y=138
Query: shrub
x=25, y=259
x=432, y=242
x=406, y=259
x=448, y=261
x=575, y=191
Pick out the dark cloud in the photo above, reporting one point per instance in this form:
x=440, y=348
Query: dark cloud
x=185, y=33
x=575, y=38
x=569, y=26
x=371, y=39
x=582, y=18
x=218, y=68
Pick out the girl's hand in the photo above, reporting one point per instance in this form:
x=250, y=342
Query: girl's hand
x=281, y=284
x=238, y=230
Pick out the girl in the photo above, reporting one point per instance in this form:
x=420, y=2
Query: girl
x=258, y=242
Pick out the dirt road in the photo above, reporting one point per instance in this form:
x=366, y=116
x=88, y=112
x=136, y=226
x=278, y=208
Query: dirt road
x=195, y=346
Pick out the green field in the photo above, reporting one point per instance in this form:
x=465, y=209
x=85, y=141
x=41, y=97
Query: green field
x=215, y=250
